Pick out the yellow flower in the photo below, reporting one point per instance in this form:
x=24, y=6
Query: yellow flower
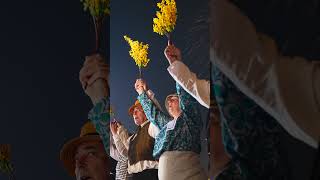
x=166, y=18
x=111, y=111
x=5, y=165
x=97, y=8
x=139, y=52
x=4, y=152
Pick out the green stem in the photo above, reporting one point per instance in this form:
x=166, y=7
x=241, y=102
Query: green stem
x=169, y=36
x=97, y=21
x=140, y=73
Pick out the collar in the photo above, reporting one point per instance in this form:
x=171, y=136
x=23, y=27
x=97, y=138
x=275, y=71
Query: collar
x=143, y=124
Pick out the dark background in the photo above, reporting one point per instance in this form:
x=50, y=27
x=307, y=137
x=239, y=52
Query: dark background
x=42, y=48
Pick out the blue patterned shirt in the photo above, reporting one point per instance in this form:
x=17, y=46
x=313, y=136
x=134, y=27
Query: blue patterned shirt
x=100, y=117
x=182, y=134
x=250, y=135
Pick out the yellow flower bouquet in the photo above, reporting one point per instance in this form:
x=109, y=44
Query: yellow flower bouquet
x=5, y=164
x=98, y=10
x=139, y=52
x=165, y=20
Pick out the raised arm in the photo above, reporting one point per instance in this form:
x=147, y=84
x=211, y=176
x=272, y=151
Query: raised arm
x=94, y=79
x=121, y=138
x=198, y=88
x=288, y=88
x=153, y=113
x=189, y=106
x=100, y=117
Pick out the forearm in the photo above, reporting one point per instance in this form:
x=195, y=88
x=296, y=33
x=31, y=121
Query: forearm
x=123, y=136
x=100, y=117
x=114, y=153
x=187, y=102
x=199, y=89
x=121, y=148
x=286, y=88
x=98, y=90
x=153, y=113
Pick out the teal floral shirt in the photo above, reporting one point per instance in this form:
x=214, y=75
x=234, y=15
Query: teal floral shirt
x=250, y=135
x=182, y=134
x=100, y=117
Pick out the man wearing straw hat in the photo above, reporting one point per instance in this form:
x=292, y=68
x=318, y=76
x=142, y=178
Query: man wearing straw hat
x=138, y=147
x=94, y=79
x=85, y=157
x=177, y=146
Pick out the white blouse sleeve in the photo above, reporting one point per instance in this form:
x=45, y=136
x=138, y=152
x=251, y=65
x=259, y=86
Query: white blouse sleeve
x=288, y=88
x=197, y=88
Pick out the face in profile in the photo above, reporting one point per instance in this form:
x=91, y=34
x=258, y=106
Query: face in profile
x=91, y=162
x=173, y=106
x=138, y=116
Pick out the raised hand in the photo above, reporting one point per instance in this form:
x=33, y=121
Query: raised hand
x=172, y=54
x=94, y=77
x=140, y=86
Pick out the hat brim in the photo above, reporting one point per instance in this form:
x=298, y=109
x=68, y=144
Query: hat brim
x=130, y=111
x=68, y=151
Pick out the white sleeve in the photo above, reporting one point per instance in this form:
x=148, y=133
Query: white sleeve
x=121, y=141
x=153, y=130
x=197, y=88
x=288, y=88
x=114, y=153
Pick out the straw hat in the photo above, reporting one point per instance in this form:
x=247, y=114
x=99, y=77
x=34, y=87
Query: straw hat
x=88, y=134
x=136, y=104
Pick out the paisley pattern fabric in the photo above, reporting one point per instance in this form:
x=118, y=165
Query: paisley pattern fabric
x=100, y=117
x=250, y=135
x=182, y=134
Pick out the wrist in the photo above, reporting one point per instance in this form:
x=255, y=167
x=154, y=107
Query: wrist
x=98, y=91
x=98, y=97
x=173, y=61
x=115, y=137
x=140, y=92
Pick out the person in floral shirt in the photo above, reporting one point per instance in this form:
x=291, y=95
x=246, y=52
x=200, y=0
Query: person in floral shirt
x=177, y=146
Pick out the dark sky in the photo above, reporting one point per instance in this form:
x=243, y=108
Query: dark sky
x=42, y=48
